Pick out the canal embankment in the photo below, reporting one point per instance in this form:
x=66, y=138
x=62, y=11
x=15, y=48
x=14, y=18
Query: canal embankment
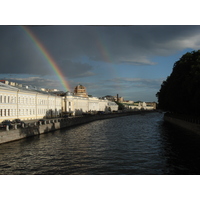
x=187, y=122
x=33, y=129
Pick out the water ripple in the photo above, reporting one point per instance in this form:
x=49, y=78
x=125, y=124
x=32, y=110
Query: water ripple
x=137, y=144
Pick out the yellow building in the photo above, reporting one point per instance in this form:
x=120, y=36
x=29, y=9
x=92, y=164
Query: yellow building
x=80, y=91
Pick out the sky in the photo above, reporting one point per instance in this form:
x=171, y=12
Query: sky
x=129, y=60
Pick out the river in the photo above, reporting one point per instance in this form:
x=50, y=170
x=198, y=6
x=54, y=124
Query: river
x=141, y=144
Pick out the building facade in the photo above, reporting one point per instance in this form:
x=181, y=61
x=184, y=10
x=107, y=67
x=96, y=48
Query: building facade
x=80, y=91
x=76, y=105
x=27, y=104
x=138, y=106
x=17, y=102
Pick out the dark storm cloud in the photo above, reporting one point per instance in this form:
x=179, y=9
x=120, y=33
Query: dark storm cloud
x=76, y=69
x=136, y=44
x=19, y=55
x=133, y=45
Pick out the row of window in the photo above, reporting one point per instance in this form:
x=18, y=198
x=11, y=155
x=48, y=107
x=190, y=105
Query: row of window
x=7, y=99
x=25, y=100
x=23, y=112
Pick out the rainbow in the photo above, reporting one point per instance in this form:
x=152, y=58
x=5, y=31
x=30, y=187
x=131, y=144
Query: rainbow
x=106, y=55
x=48, y=57
x=103, y=50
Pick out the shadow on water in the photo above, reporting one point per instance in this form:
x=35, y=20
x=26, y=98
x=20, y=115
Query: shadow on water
x=181, y=149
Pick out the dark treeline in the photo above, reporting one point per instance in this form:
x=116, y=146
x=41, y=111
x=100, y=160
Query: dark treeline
x=180, y=92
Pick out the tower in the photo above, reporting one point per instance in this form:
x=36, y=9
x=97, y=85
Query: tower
x=80, y=91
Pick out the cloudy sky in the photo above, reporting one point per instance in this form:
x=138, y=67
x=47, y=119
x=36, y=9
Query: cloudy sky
x=131, y=61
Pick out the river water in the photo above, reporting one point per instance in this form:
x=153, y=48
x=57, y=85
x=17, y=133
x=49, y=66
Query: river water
x=141, y=144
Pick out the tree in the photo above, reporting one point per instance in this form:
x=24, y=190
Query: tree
x=121, y=106
x=181, y=91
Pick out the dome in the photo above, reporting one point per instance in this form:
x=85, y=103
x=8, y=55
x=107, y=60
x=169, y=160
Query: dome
x=80, y=87
x=80, y=90
x=69, y=93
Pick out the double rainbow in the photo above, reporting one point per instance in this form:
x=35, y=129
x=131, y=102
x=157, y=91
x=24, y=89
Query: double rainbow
x=48, y=57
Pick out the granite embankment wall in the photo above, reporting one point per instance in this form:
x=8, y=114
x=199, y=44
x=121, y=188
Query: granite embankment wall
x=187, y=123
x=52, y=125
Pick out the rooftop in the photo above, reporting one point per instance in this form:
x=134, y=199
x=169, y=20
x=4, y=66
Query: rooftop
x=24, y=88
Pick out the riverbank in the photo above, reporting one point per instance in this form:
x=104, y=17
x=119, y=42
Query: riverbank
x=188, y=123
x=33, y=129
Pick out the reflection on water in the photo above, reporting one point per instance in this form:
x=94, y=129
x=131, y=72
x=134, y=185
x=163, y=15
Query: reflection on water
x=137, y=144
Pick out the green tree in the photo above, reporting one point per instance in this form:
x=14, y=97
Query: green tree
x=121, y=106
x=181, y=91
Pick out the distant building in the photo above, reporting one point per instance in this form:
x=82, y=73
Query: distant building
x=152, y=104
x=4, y=81
x=128, y=102
x=80, y=91
x=114, y=98
x=120, y=99
x=139, y=105
x=79, y=102
x=110, y=98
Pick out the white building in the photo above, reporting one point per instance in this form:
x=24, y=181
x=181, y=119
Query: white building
x=79, y=102
x=138, y=106
x=27, y=104
x=77, y=105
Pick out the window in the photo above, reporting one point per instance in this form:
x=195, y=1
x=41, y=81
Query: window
x=4, y=99
x=1, y=112
x=1, y=98
x=4, y=112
